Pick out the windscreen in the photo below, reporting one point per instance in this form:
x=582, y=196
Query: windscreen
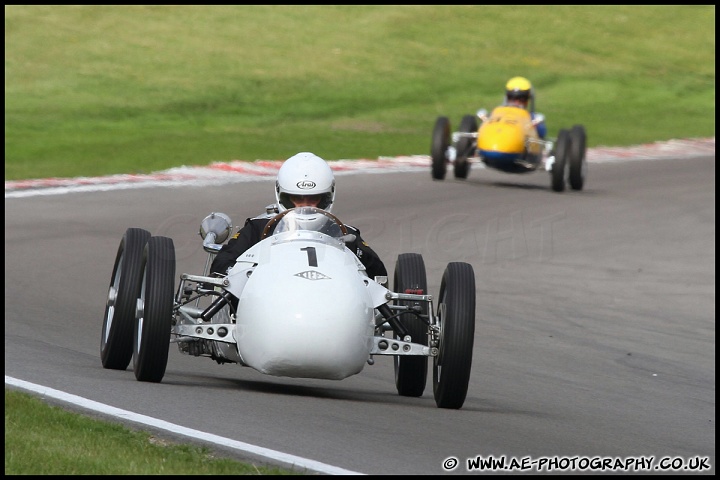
x=309, y=219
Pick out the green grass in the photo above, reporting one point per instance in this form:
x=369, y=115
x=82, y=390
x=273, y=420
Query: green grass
x=94, y=90
x=41, y=439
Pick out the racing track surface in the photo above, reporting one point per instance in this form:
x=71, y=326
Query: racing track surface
x=595, y=330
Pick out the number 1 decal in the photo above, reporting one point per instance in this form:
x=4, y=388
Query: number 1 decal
x=312, y=256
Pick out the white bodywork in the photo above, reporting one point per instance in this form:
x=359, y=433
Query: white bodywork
x=296, y=304
x=306, y=306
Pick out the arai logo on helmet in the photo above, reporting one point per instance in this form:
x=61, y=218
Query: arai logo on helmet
x=306, y=184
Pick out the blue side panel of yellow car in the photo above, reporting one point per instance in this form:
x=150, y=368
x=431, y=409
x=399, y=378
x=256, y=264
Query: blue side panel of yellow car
x=505, y=140
x=506, y=162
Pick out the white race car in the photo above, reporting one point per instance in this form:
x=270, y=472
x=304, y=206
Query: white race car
x=297, y=304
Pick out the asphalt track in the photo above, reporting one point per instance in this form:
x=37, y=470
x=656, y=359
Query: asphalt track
x=595, y=333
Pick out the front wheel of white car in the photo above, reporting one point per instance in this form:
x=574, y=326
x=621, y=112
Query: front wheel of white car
x=117, y=330
x=154, y=310
x=456, y=315
x=411, y=370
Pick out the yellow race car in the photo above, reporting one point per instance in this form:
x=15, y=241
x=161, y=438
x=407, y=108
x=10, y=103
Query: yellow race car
x=507, y=140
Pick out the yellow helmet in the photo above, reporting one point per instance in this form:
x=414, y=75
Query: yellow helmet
x=519, y=88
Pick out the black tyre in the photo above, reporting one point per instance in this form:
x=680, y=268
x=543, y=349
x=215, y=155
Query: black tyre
x=411, y=371
x=465, y=146
x=117, y=331
x=438, y=149
x=456, y=312
x=576, y=158
x=151, y=342
x=559, y=167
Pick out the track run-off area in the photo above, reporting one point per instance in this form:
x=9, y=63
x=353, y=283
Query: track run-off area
x=245, y=171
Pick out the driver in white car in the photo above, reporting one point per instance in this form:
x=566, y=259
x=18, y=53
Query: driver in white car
x=304, y=180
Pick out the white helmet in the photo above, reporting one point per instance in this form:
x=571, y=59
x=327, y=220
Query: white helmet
x=305, y=174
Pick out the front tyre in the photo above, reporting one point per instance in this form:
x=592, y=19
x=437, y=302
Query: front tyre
x=576, y=157
x=117, y=330
x=465, y=147
x=559, y=166
x=154, y=310
x=439, y=147
x=411, y=371
x=456, y=316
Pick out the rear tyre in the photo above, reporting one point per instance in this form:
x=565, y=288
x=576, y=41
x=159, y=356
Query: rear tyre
x=456, y=315
x=438, y=149
x=576, y=158
x=411, y=371
x=559, y=167
x=154, y=310
x=117, y=330
x=465, y=146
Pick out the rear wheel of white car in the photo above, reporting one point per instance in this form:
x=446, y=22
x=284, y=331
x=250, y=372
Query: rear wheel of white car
x=465, y=147
x=154, y=310
x=576, y=157
x=117, y=331
x=456, y=315
x=438, y=149
x=411, y=370
x=559, y=166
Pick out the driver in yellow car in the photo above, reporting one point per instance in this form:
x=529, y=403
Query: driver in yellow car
x=519, y=93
